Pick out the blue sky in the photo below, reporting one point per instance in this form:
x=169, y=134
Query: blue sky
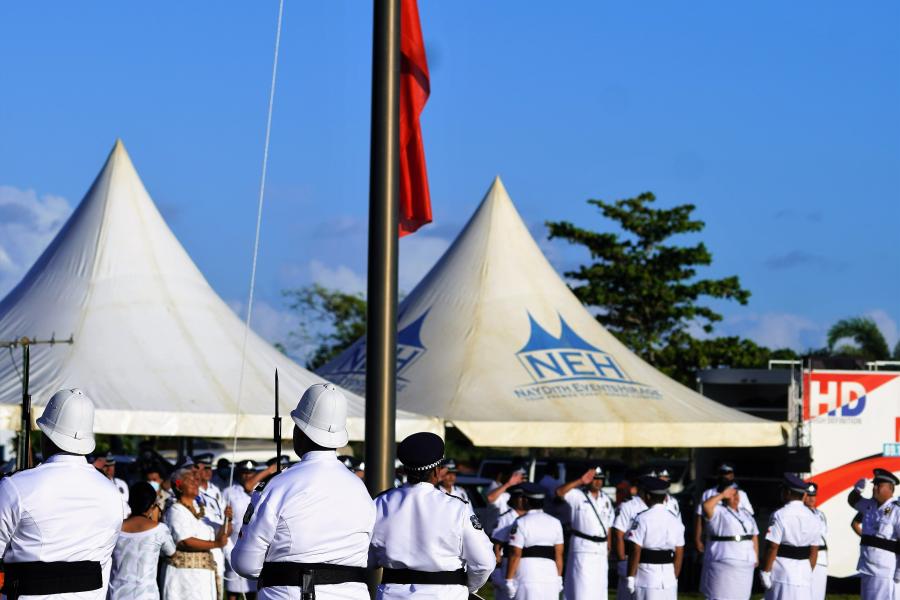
x=780, y=121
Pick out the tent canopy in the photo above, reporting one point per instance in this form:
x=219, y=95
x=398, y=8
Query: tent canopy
x=155, y=348
x=494, y=341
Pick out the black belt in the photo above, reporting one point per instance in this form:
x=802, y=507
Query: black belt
x=591, y=538
x=46, y=578
x=795, y=552
x=411, y=576
x=307, y=575
x=657, y=557
x=877, y=542
x=539, y=552
x=730, y=538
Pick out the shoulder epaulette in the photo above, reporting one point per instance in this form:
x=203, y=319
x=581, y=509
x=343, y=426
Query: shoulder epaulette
x=262, y=484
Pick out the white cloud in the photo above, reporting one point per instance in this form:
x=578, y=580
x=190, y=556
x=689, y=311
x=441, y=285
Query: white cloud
x=886, y=324
x=418, y=254
x=341, y=278
x=269, y=322
x=27, y=224
x=776, y=330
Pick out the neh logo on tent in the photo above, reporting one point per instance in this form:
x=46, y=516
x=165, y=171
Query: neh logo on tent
x=349, y=369
x=567, y=365
x=839, y=395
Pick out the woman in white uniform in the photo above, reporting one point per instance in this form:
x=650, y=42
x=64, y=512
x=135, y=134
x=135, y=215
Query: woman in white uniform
x=535, y=564
x=732, y=547
x=820, y=573
x=191, y=572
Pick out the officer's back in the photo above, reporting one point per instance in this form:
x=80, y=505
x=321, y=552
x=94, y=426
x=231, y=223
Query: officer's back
x=59, y=521
x=306, y=532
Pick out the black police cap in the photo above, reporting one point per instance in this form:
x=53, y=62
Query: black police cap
x=421, y=451
x=812, y=488
x=793, y=483
x=533, y=490
x=203, y=459
x=655, y=485
x=883, y=475
x=515, y=490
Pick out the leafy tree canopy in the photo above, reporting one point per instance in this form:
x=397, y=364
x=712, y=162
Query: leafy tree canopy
x=330, y=320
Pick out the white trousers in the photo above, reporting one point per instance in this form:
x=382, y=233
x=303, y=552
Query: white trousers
x=785, y=591
x=655, y=594
x=819, y=581
x=587, y=576
x=876, y=588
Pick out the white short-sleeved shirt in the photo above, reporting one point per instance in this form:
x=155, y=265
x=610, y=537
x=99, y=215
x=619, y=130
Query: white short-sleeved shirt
x=794, y=525
x=536, y=528
x=627, y=512
x=591, y=516
x=822, y=557
x=884, y=522
x=504, y=524
x=656, y=529
x=731, y=523
x=502, y=502
x=709, y=493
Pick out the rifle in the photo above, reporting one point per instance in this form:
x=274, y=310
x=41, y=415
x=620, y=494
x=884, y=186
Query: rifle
x=277, y=420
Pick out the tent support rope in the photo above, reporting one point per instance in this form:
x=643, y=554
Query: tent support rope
x=259, y=212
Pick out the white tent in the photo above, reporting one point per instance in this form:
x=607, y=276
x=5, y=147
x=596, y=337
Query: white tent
x=494, y=341
x=155, y=348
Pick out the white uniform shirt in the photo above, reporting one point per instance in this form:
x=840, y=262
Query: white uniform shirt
x=627, y=511
x=591, y=516
x=884, y=522
x=421, y=528
x=731, y=523
x=672, y=506
x=502, y=502
x=213, y=503
x=316, y=511
x=62, y=510
x=794, y=525
x=536, y=528
x=504, y=524
x=456, y=491
x=709, y=493
x=656, y=529
x=822, y=557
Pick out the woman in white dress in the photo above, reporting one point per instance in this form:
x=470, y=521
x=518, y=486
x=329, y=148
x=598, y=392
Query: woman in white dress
x=733, y=548
x=141, y=542
x=190, y=573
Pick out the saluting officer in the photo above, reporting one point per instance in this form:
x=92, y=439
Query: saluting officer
x=732, y=548
x=592, y=514
x=535, y=564
x=59, y=521
x=877, y=564
x=428, y=542
x=657, y=546
x=792, y=546
x=306, y=532
x=500, y=538
x=820, y=573
x=621, y=525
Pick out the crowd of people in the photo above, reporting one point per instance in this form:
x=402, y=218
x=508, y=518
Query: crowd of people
x=70, y=527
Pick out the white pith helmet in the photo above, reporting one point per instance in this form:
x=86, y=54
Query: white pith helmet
x=68, y=421
x=322, y=415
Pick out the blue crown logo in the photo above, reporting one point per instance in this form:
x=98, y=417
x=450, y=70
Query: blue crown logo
x=567, y=357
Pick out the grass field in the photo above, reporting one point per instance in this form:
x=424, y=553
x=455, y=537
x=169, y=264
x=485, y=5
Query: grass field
x=487, y=592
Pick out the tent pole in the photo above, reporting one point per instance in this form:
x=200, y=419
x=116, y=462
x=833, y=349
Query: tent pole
x=384, y=190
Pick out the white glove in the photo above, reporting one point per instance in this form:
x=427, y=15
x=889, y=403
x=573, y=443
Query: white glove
x=860, y=485
x=511, y=588
x=765, y=578
x=560, y=584
x=897, y=576
x=629, y=583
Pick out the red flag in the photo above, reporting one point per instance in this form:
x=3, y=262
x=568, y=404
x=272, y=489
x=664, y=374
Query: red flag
x=415, y=201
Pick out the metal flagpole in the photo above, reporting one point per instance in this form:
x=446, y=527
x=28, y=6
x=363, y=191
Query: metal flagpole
x=384, y=191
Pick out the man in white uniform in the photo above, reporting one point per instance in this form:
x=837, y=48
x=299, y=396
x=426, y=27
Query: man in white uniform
x=59, y=521
x=671, y=503
x=535, y=564
x=792, y=546
x=622, y=525
x=657, y=546
x=107, y=466
x=592, y=515
x=880, y=515
x=500, y=538
x=448, y=481
x=306, y=534
x=820, y=573
x=237, y=496
x=429, y=543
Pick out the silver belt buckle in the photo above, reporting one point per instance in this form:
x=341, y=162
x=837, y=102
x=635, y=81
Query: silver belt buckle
x=737, y=538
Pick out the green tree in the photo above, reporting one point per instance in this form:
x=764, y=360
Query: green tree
x=646, y=290
x=330, y=320
x=870, y=343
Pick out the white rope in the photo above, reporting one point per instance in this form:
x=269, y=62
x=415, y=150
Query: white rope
x=259, y=212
